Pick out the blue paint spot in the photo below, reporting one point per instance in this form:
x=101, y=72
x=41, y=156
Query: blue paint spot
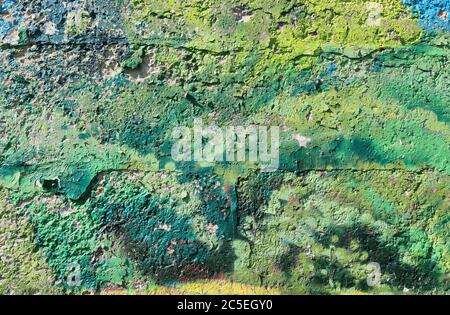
x=6, y=5
x=15, y=19
x=331, y=69
x=433, y=14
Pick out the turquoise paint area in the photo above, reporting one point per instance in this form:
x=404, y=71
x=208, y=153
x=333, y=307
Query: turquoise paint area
x=5, y=28
x=88, y=120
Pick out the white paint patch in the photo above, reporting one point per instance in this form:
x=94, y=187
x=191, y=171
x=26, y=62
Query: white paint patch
x=302, y=141
x=246, y=18
x=50, y=28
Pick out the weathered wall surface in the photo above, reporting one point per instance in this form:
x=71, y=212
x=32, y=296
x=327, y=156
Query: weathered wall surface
x=90, y=92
